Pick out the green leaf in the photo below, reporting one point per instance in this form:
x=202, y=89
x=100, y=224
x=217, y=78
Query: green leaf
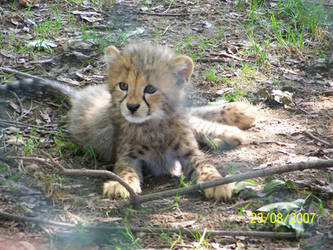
x=42, y=44
x=292, y=223
x=273, y=184
x=290, y=184
x=298, y=227
x=241, y=185
x=280, y=206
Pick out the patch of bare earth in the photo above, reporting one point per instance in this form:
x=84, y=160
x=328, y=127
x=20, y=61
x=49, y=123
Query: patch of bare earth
x=292, y=89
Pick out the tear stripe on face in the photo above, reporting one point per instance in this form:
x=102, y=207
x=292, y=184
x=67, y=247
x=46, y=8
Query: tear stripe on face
x=144, y=99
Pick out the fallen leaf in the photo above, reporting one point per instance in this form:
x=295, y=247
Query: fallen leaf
x=42, y=43
x=92, y=19
x=89, y=16
x=14, y=140
x=68, y=80
x=15, y=107
x=223, y=91
x=285, y=206
x=45, y=116
x=16, y=20
x=80, y=55
x=86, y=13
x=283, y=97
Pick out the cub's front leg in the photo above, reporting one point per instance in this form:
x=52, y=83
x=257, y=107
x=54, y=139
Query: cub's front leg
x=207, y=172
x=196, y=167
x=130, y=172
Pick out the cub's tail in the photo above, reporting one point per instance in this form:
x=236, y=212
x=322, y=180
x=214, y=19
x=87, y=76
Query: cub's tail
x=38, y=87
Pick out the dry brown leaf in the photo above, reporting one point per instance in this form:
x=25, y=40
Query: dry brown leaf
x=45, y=116
x=89, y=16
x=14, y=106
x=14, y=140
x=27, y=3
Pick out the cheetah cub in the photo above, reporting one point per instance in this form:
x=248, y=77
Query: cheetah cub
x=141, y=120
x=138, y=119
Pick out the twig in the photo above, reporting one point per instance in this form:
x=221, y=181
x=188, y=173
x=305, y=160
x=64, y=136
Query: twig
x=25, y=113
x=25, y=125
x=242, y=203
x=47, y=128
x=42, y=61
x=271, y=142
x=165, y=31
x=256, y=234
x=327, y=93
x=80, y=172
x=228, y=55
x=210, y=60
x=12, y=71
x=253, y=174
x=317, y=139
x=19, y=101
x=161, y=14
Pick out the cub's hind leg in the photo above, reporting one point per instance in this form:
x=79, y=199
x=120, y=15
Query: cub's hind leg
x=239, y=114
x=216, y=136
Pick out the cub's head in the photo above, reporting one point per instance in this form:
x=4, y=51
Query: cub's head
x=146, y=81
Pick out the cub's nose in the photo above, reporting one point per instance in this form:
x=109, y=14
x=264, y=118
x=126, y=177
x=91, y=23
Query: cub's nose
x=132, y=107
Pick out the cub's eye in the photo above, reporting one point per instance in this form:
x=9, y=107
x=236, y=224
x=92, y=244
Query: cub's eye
x=150, y=89
x=123, y=86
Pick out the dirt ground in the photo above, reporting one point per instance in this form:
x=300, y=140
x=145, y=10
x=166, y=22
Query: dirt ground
x=239, y=57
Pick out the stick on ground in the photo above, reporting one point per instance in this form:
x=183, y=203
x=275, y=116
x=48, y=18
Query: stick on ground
x=13, y=71
x=240, y=177
x=163, y=14
x=83, y=172
x=308, y=133
x=111, y=228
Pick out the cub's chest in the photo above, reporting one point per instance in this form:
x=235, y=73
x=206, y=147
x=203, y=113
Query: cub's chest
x=159, y=159
x=152, y=135
x=153, y=147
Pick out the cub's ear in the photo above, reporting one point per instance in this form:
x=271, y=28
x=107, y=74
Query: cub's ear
x=110, y=55
x=182, y=66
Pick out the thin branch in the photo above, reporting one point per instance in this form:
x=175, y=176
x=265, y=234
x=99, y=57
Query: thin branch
x=80, y=172
x=317, y=139
x=162, y=14
x=25, y=125
x=46, y=128
x=271, y=142
x=255, y=234
x=240, y=177
x=210, y=60
x=13, y=71
x=215, y=59
x=224, y=54
x=327, y=93
x=324, y=92
x=19, y=102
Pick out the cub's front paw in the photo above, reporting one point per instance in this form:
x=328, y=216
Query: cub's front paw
x=113, y=189
x=223, y=192
x=208, y=172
